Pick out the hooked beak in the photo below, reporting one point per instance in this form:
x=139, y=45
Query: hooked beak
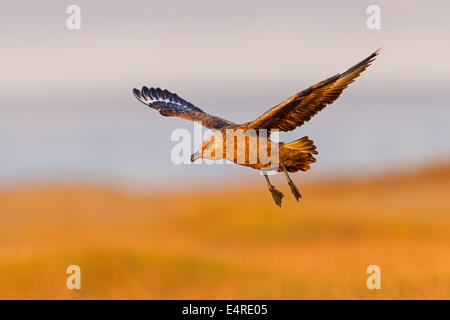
x=196, y=156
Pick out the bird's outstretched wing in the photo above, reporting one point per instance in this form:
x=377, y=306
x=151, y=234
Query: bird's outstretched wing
x=302, y=106
x=170, y=105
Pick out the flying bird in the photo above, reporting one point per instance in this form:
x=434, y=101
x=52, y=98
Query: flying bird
x=286, y=116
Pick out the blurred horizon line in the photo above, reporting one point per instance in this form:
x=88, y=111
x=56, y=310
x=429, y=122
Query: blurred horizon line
x=403, y=171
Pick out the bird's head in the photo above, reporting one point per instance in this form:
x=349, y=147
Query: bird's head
x=210, y=149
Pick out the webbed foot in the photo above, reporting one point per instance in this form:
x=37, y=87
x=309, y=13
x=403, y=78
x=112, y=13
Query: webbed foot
x=295, y=190
x=276, y=195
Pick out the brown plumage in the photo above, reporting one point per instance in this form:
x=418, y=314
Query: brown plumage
x=288, y=115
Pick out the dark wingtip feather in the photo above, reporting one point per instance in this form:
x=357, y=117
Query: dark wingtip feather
x=145, y=94
x=373, y=55
x=137, y=94
x=367, y=62
x=140, y=95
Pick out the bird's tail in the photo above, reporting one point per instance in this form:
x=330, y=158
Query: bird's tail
x=304, y=145
x=299, y=154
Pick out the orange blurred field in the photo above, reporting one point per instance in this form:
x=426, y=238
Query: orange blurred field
x=231, y=243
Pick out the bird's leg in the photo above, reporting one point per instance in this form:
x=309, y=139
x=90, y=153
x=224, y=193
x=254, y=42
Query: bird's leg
x=276, y=194
x=294, y=188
